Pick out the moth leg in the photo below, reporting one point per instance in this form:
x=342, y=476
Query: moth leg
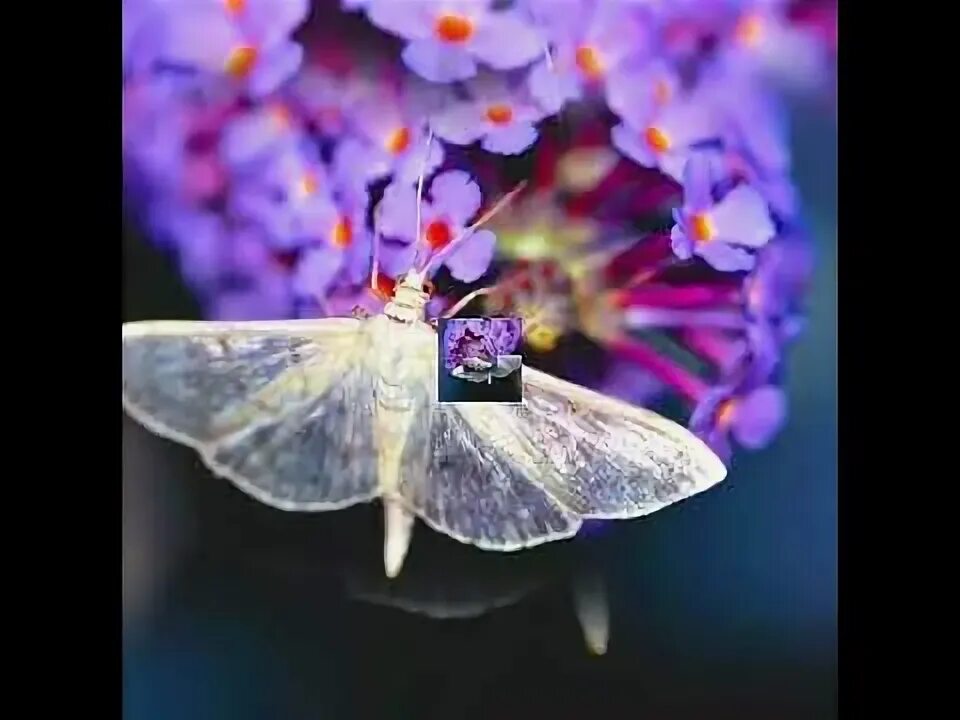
x=593, y=610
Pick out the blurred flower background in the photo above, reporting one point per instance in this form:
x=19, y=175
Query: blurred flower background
x=665, y=249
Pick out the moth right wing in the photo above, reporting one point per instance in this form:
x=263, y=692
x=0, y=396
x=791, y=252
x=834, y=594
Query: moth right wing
x=282, y=409
x=505, y=477
x=463, y=482
x=599, y=457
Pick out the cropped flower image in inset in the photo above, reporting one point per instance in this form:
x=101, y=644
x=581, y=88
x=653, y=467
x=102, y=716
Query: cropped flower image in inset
x=480, y=361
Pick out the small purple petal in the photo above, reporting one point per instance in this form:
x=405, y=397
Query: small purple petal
x=396, y=215
x=680, y=242
x=248, y=137
x=470, y=261
x=725, y=258
x=412, y=19
x=551, y=87
x=396, y=259
x=456, y=196
x=270, y=21
x=316, y=269
x=437, y=62
x=274, y=68
x=698, y=179
x=511, y=140
x=759, y=417
x=200, y=37
x=460, y=123
x=411, y=163
x=742, y=217
x=629, y=142
x=504, y=41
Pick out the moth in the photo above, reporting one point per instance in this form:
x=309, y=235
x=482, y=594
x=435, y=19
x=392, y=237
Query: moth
x=314, y=415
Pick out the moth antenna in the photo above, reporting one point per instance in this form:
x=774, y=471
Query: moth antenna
x=420, y=179
x=467, y=232
x=466, y=299
x=375, y=267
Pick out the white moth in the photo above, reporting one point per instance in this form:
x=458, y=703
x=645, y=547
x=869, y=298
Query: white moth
x=313, y=415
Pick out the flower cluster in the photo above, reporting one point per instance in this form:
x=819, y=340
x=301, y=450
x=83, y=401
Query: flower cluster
x=297, y=160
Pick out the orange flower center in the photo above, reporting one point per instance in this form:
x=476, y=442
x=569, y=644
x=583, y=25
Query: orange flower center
x=662, y=92
x=385, y=286
x=307, y=184
x=343, y=233
x=281, y=116
x=725, y=413
x=589, y=62
x=241, y=60
x=749, y=29
x=703, y=229
x=500, y=114
x=656, y=139
x=453, y=28
x=437, y=234
x=236, y=6
x=398, y=141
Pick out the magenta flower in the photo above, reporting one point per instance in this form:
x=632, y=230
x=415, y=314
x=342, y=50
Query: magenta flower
x=662, y=137
x=447, y=37
x=721, y=232
x=592, y=44
x=501, y=116
x=454, y=199
x=247, y=40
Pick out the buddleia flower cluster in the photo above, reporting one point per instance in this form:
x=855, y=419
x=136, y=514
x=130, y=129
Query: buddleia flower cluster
x=615, y=173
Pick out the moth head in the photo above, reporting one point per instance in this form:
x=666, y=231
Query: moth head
x=409, y=299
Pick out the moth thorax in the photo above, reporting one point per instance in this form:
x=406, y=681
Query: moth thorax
x=407, y=305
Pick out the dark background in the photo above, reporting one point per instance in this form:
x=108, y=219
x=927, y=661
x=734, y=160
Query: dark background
x=723, y=606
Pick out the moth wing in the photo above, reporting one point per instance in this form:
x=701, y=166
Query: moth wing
x=598, y=456
x=466, y=483
x=283, y=409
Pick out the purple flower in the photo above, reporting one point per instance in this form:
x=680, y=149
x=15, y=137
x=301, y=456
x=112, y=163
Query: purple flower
x=639, y=91
x=246, y=40
x=249, y=137
x=454, y=199
x=663, y=140
x=340, y=249
x=719, y=231
x=501, y=116
x=288, y=195
x=447, y=37
x=390, y=135
x=752, y=412
x=762, y=42
x=592, y=44
x=266, y=297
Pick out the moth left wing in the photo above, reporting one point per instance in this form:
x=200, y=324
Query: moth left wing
x=283, y=409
